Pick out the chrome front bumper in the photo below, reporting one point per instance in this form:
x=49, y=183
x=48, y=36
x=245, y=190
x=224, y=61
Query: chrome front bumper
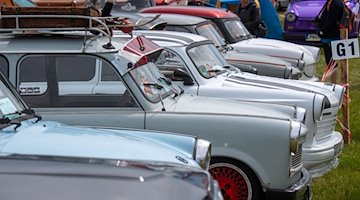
x=301, y=190
x=322, y=157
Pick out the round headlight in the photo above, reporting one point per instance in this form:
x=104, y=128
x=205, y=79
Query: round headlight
x=290, y=17
x=203, y=153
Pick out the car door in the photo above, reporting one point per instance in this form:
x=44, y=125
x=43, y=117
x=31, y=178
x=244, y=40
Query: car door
x=77, y=89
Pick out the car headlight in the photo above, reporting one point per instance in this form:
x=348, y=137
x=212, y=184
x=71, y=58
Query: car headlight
x=290, y=17
x=301, y=64
x=203, y=153
x=300, y=114
x=287, y=72
x=318, y=106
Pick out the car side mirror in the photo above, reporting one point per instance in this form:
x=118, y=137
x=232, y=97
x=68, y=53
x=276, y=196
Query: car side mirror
x=180, y=73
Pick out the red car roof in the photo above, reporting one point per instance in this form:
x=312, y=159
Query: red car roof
x=199, y=11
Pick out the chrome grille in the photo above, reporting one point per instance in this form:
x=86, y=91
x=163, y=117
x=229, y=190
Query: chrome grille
x=326, y=125
x=296, y=159
x=337, y=149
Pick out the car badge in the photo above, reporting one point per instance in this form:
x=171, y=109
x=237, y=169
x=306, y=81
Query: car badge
x=182, y=159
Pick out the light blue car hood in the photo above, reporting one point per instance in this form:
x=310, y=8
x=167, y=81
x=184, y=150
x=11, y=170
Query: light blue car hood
x=56, y=139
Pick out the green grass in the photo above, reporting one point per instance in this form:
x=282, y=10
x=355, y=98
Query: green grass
x=343, y=182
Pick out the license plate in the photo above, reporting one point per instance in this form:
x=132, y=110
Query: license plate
x=312, y=37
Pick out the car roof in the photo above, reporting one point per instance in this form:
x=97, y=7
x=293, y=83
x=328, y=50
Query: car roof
x=172, y=38
x=200, y=11
x=57, y=42
x=178, y=19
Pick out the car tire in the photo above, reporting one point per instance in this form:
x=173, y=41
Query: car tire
x=236, y=180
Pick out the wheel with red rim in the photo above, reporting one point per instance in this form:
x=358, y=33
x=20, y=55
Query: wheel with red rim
x=237, y=182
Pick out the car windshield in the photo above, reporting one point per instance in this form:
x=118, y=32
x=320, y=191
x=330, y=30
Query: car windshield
x=237, y=29
x=9, y=104
x=151, y=82
x=207, y=59
x=128, y=5
x=210, y=32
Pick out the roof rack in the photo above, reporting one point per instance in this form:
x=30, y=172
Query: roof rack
x=23, y=20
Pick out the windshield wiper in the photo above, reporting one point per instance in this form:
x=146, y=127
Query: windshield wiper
x=166, y=80
x=28, y=111
x=6, y=120
x=158, y=87
x=214, y=70
x=31, y=112
x=169, y=83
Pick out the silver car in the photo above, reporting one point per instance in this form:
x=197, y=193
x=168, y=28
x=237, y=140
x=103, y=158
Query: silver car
x=86, y=79
x=193, y=63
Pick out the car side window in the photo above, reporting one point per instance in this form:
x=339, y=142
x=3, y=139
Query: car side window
x=167, y=62
x=71, y=81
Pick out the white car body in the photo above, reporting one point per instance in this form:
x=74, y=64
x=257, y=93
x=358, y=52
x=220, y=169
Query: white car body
x=235, y=32
x=323, y=144
x=263, y=64
x=287, y=51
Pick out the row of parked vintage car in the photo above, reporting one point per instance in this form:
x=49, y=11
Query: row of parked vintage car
x=212, y=131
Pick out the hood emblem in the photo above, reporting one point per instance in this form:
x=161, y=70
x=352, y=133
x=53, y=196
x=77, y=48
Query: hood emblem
x=182, y=159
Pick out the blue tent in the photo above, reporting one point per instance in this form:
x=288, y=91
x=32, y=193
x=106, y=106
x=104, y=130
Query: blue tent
x=271, y=19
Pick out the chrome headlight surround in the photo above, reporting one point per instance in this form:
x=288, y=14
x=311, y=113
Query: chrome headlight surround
x=301, y=64
x=297, y=138
x=318, y=107
x=290, y=17
x=300, y=114
x=339, y=93
x=202, y=153
x=294, y=136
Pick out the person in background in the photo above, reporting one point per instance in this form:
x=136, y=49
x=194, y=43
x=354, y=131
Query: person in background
x=328, y=21
x=328, y=25
x=249, y=15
